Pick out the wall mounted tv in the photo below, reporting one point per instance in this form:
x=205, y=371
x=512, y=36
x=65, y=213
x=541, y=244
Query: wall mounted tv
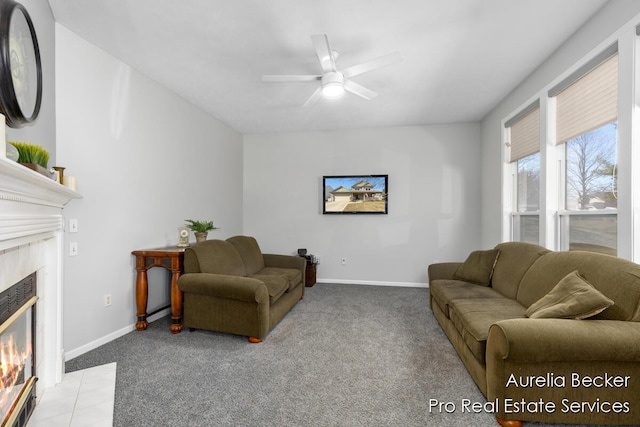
x=355, y=194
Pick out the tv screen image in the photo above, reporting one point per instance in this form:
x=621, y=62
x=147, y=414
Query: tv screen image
x=355, y=194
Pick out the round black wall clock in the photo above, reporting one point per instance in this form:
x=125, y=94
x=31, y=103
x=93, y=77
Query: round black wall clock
x=20, y=66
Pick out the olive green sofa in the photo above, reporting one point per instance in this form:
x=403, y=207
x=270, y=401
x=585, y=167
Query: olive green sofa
x=231, y=286
x=588, y=370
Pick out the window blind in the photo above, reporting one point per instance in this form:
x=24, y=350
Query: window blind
x=588, y=99
x=525, y=132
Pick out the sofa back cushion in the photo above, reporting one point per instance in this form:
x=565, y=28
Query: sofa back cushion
x=616, y=278
x=213, y=256
x=250, y=253
x=478, y=267
x=514, y=261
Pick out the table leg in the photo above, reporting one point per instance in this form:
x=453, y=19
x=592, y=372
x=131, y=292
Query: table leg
x=176, y=304
x=142, y=294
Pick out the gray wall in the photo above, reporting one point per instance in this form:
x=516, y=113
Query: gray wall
x=145, y=160
x=434, y=194
x=43, y=130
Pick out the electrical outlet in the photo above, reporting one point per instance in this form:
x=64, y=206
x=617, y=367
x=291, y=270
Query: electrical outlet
x=343, y=261
x=73, y=248
x=107, y=300
x=73, y=225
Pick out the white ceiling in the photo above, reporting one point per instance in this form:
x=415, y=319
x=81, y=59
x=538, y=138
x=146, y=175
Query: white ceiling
x=460, y=57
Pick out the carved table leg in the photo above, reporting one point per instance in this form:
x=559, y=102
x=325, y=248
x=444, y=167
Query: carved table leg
x=142, y=293
x=176, y=304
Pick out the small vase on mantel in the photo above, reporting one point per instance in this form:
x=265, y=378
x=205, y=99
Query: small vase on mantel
x=201, y=236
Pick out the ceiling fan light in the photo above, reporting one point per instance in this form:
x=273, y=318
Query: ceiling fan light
x=332, y=85
x=333, y=90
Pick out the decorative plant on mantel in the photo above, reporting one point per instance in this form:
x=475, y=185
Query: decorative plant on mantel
x=33, y=156
x=200, y=228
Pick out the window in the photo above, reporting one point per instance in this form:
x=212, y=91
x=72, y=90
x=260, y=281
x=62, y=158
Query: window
x=586, y=135
x=591, y=198
x=526, y=222
x=524, y=141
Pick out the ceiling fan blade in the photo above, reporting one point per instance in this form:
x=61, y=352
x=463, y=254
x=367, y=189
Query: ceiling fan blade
x=359, y=90
x=315, y=97
x=290, y=78
x=383, y=61
x=323, y=50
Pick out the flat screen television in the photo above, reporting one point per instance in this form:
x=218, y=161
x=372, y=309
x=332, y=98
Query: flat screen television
x=355, y=194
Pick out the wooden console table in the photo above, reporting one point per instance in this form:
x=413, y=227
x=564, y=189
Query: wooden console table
x=171, y=258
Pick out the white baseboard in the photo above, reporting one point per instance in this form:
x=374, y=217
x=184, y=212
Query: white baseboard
x=71, y=354
x=375, y=283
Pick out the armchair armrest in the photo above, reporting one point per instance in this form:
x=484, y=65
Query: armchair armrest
x=224, y=286
x=442, y=270
x=285, y=261
x=564, y=340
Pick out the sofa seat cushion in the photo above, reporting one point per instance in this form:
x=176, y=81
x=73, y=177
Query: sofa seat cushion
x=472, y=318
x=294, y=277
x=276, y=285
x=445, y=290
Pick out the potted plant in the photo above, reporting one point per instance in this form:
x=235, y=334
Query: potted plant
x=200, y=228
x=33, y=156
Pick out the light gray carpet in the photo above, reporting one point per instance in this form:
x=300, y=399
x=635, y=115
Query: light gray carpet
x=346, y=355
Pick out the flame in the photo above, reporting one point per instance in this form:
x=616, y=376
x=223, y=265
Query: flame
x=12, y=363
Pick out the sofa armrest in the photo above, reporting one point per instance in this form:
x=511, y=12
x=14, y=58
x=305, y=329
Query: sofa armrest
x=564, y=364
x=224, y=286
x=285, y=261
x=564, y=340
x=442, y=270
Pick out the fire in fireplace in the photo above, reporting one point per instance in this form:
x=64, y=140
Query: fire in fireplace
x=17, y=352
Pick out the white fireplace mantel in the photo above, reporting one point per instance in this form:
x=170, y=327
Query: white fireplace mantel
x=18, y=183
x=31, y=239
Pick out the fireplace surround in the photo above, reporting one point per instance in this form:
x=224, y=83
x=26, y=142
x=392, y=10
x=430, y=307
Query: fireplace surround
x=31, y=242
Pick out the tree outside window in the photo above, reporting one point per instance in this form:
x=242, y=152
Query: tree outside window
x=591, y=186
x=591, y=170
x=529, y=183
x=527, y=223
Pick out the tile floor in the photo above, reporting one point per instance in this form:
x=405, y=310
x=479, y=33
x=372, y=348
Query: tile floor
x=84, y=398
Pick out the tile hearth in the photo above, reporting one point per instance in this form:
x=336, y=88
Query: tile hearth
x=83, y=399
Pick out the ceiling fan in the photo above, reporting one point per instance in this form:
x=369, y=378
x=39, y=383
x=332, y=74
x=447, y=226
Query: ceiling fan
x=334, y=82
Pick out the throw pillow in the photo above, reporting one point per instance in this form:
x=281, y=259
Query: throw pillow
x=572, y=298
x=478, y=267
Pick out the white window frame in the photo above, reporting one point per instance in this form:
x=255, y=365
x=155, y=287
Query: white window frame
x=551, y=188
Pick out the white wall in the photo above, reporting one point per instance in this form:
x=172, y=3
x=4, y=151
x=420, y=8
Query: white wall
x=434, y=184
x=145, y=160
x=43, y=130
x=609, y=19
